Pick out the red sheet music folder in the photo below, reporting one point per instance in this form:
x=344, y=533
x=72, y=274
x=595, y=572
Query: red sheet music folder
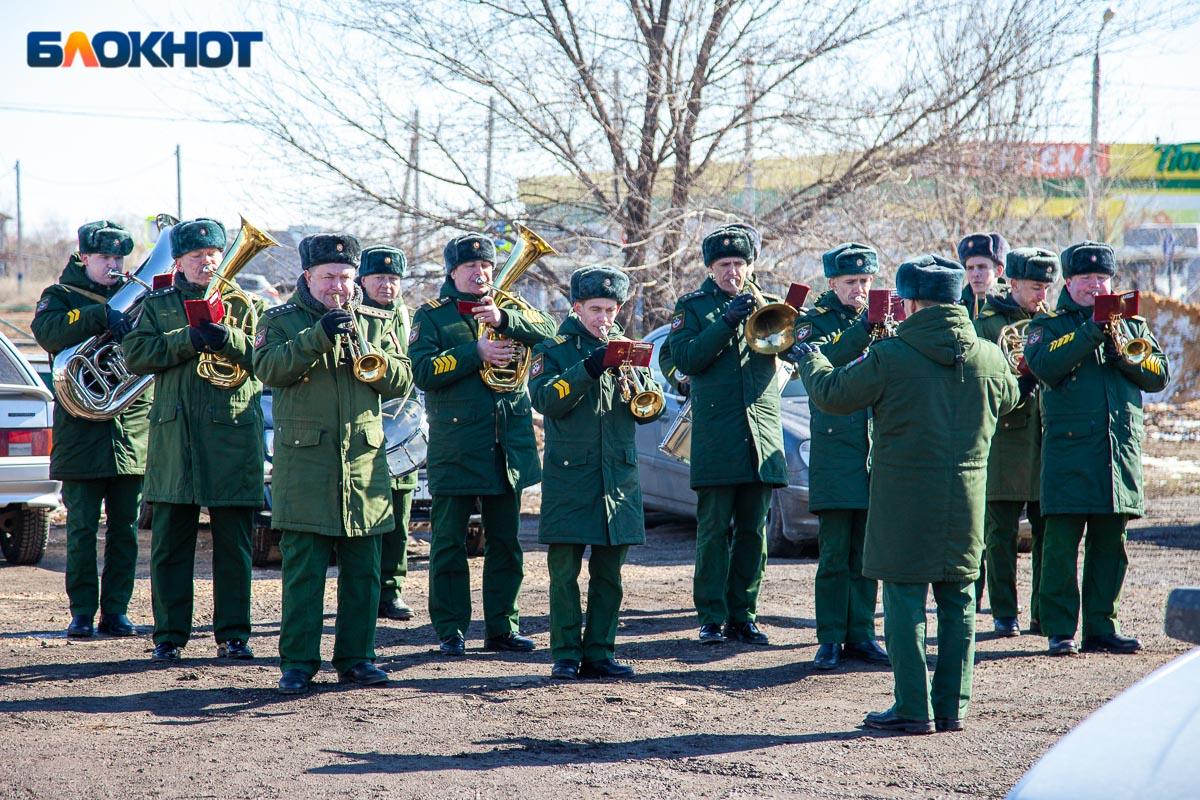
x=797, y=295
x=1126, y=305
x=636, y=353
x=878, y=301
x=209, y=310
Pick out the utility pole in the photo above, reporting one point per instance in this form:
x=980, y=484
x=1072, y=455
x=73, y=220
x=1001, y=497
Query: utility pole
x=20, y=236
x=1093, y=149
x=749, y=201
x=178, y=183
x=491, y=132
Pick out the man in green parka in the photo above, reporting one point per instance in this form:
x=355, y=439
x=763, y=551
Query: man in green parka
x=98, y=461
x=841, y=445
x=1014, y=463
x=206, y=449
x=591, y=494
x=331, y=482
x=1091, y=452
x=379, y=274
x=737, y=438
x=481, y=444
x=983, y=257
x=936, y=391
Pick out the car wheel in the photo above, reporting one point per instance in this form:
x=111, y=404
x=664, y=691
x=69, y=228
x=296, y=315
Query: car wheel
x=26, y=542
x=778, y=546
x=264, y=547
x=145, y=516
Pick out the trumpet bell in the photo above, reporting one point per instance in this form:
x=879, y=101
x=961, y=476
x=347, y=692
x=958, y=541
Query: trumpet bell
x=770, y=329
x=369, y=367
x=1136, y=350
x=646, y=404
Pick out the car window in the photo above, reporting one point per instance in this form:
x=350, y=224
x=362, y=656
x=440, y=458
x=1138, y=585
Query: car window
x=11, y=371
x=657, y=337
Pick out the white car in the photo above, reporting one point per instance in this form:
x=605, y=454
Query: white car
x=27, y=495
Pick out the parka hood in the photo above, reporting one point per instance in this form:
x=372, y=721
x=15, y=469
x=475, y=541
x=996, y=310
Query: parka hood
x=943, y=333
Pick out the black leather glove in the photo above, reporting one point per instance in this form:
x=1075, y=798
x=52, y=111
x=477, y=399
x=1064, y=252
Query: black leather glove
x=1027, y=385
x=215, y=336
x=685, y=388
x=197, y=340
x=118, y=323
x=335, y=321
x=1111, y=353
x=799, y=351
x=739, y=308
x=594, y=364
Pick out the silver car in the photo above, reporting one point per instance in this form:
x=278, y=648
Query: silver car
x=791, y=527
x=27, y=495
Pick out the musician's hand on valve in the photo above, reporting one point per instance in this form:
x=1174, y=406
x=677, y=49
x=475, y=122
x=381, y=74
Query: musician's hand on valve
x=214, y=336
x=489, y=313
x=739, y=308
x=1111, y=353
x=594, y=364
x=118, y=324
x=497, y=352
x=335, y=321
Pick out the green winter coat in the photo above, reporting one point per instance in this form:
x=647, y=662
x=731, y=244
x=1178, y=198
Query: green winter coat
x=330, y=470
x=206, y=444
x=737, y=436
x=400, y=316
x=936, y=390
x=840, y=443
x=85, y=449
x=467, y=419
x=1091, y=412
x=591, y=493
x=1015, y=460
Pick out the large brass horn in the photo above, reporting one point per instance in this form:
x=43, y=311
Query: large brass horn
x=1012, y=341
x=239, y=310
x=770, y=329
x=527, y=249
x=91, y=380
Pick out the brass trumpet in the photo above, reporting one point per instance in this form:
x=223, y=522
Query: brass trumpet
x=770, y=328
x=643, y=401
x=1133, y=349
x=368, y=367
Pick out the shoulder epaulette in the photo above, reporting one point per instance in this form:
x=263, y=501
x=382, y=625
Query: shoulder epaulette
x=692, y=295
x=432, y=304
x=271, y=313
x=987, y=312
x=1047, y=314
x=559, y=339
x=1138, y=317
x=166, y=290
x=818, y=311
x=381, y=313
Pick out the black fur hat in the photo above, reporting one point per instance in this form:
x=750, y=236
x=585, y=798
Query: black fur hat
x=850, y=258
x=733, y=241
x=932, y=278
x=990, y=245
x=105, y=238
x=1032, y=264
x=329, y=248
x=196, y=234
x=382, y=260
x=1083, y=258
x=589, y=283
x=472, y=247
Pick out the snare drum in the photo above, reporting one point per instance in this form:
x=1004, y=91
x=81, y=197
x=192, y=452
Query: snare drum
x=678, y=441
x=407, y=433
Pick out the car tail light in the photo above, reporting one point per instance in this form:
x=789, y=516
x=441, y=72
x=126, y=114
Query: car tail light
x=24, y=441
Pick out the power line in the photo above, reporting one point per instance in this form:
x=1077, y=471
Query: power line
x=75, y=112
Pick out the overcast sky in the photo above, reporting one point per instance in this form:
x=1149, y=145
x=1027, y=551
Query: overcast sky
x=97, y=143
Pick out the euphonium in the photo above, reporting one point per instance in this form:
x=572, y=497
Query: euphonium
x=91, y=380
x=368, y=367
x=643, y=401
x=219, y=371
x=770, y=329
x=1012, y=340
x=528, y=248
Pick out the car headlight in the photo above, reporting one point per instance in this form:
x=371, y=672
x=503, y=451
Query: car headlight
x=802, y=450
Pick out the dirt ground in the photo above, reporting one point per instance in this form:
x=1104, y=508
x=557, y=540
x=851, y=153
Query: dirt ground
x=94, y=719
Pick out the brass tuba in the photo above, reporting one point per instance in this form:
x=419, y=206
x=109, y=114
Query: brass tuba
x=91, y=380
x=528, y=248
x=219, y=371
x=770, y=329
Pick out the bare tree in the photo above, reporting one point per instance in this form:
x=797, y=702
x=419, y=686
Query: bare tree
x=625, y=130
